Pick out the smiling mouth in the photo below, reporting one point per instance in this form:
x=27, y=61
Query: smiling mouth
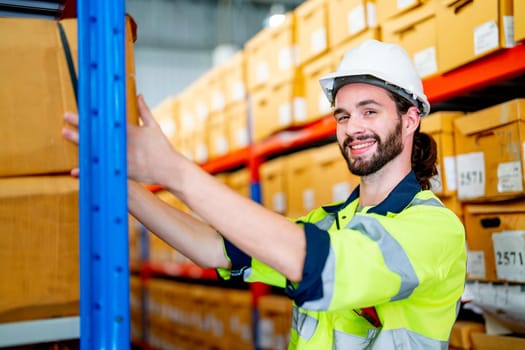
x=361, y=145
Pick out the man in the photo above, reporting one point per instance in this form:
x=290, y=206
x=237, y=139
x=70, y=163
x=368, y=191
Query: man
x=383, y=270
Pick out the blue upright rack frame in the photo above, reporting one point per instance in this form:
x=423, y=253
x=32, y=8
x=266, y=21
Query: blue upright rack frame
x=104, y=267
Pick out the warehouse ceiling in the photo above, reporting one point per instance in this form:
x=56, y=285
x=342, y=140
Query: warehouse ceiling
x=173, y=24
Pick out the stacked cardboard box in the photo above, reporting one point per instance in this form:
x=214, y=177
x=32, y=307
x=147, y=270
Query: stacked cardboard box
x=39, y=200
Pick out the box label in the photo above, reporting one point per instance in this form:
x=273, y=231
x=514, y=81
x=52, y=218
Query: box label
x=426, y=62
x=509, y=177
x=318, y=40
x=168, y=127
x=401, y=4
x=356, y=20
x=218, y=101
x=238, y=91
x=476, y=264
x=285, y=114
x=371, y=14
x=308, y=199
x=299, y=109
x=486, y=37
x=340, y=191
x=436, y=182
x=471, y=175
x=202, y=111
x=221, y=145
x=266, y=333
x=508, y=28
x=262, y=73
x=450, y=172
x=509, y=255
x=323, y=104
x=285, y=58
x=242, y=136
x=279, y=202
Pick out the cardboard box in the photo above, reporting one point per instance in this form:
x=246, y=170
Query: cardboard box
x=166, y=115
x=36, y=90
x=218, y=135
x=387, y=9
x=416, y=32
x=317, y=105
x=519, y=20
x=239, y=323
x=272, y=109
x=489, y=148
x=440, y=126
x=239, y=181
x=201, y=96
x=473, y=29
x=482, y=223
x=237, y=121
x=187, y=118
x=311, y=30
x=217, y=88
x=136, y=315
x=484, y=341
x=270, y=56
x=273, y=185
x=347, y=18
x=275, y=321
x=333, y=180
x=198, y=145
x=235, y=79
x=461, y=332
x=460, y=335
x=339, y=51
x=299, y=179
x=39, y=248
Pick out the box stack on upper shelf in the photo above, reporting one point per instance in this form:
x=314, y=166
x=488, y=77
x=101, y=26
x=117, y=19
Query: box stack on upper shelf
x=279, y=67
x=39, y=199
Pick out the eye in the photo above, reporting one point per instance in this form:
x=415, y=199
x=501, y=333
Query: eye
x=369, y=112
x=341, y=117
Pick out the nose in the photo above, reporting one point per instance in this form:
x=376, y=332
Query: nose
x=354, y=126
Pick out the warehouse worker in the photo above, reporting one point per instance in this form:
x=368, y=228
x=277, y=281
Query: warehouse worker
x=384, y=269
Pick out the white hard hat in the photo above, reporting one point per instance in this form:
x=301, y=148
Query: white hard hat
x=380, y=64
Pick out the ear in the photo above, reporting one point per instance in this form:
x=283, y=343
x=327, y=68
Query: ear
x=411, y=120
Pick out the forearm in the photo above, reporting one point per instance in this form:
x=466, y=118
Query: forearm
x=191, y=237
x=259, y=232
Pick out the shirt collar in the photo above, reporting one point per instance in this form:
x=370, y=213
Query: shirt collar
x=395, y=202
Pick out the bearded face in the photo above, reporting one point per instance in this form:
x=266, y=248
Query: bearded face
x=386, y=150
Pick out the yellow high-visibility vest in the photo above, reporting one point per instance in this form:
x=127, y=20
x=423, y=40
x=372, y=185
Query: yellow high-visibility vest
x=406, y=257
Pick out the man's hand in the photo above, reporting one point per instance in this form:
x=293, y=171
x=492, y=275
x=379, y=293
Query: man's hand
x=70, y=132
x=148, y=149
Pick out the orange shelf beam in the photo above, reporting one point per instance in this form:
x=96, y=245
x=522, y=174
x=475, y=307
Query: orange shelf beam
x=295, y=138
x=229, y=161
x=500, y=66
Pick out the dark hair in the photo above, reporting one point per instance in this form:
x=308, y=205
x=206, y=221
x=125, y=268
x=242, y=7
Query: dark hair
x=424, y=148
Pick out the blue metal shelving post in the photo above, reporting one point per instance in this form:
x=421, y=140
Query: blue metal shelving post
x=104, y=269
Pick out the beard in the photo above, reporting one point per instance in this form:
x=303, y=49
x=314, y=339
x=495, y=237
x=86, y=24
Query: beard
x=386, y=151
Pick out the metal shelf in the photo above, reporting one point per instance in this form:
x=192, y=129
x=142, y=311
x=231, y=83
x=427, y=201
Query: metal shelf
x=39, y=331
x=487, y=81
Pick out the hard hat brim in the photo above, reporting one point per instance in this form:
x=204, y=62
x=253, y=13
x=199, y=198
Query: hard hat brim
x=330, y=85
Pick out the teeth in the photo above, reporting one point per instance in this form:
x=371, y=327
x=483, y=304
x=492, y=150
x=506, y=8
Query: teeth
x=362, y=145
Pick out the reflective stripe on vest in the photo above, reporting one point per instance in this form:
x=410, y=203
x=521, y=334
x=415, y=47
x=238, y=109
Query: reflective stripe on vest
x=394, y=255
x=344, y=340
x=404, y=339
x=305, y=325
